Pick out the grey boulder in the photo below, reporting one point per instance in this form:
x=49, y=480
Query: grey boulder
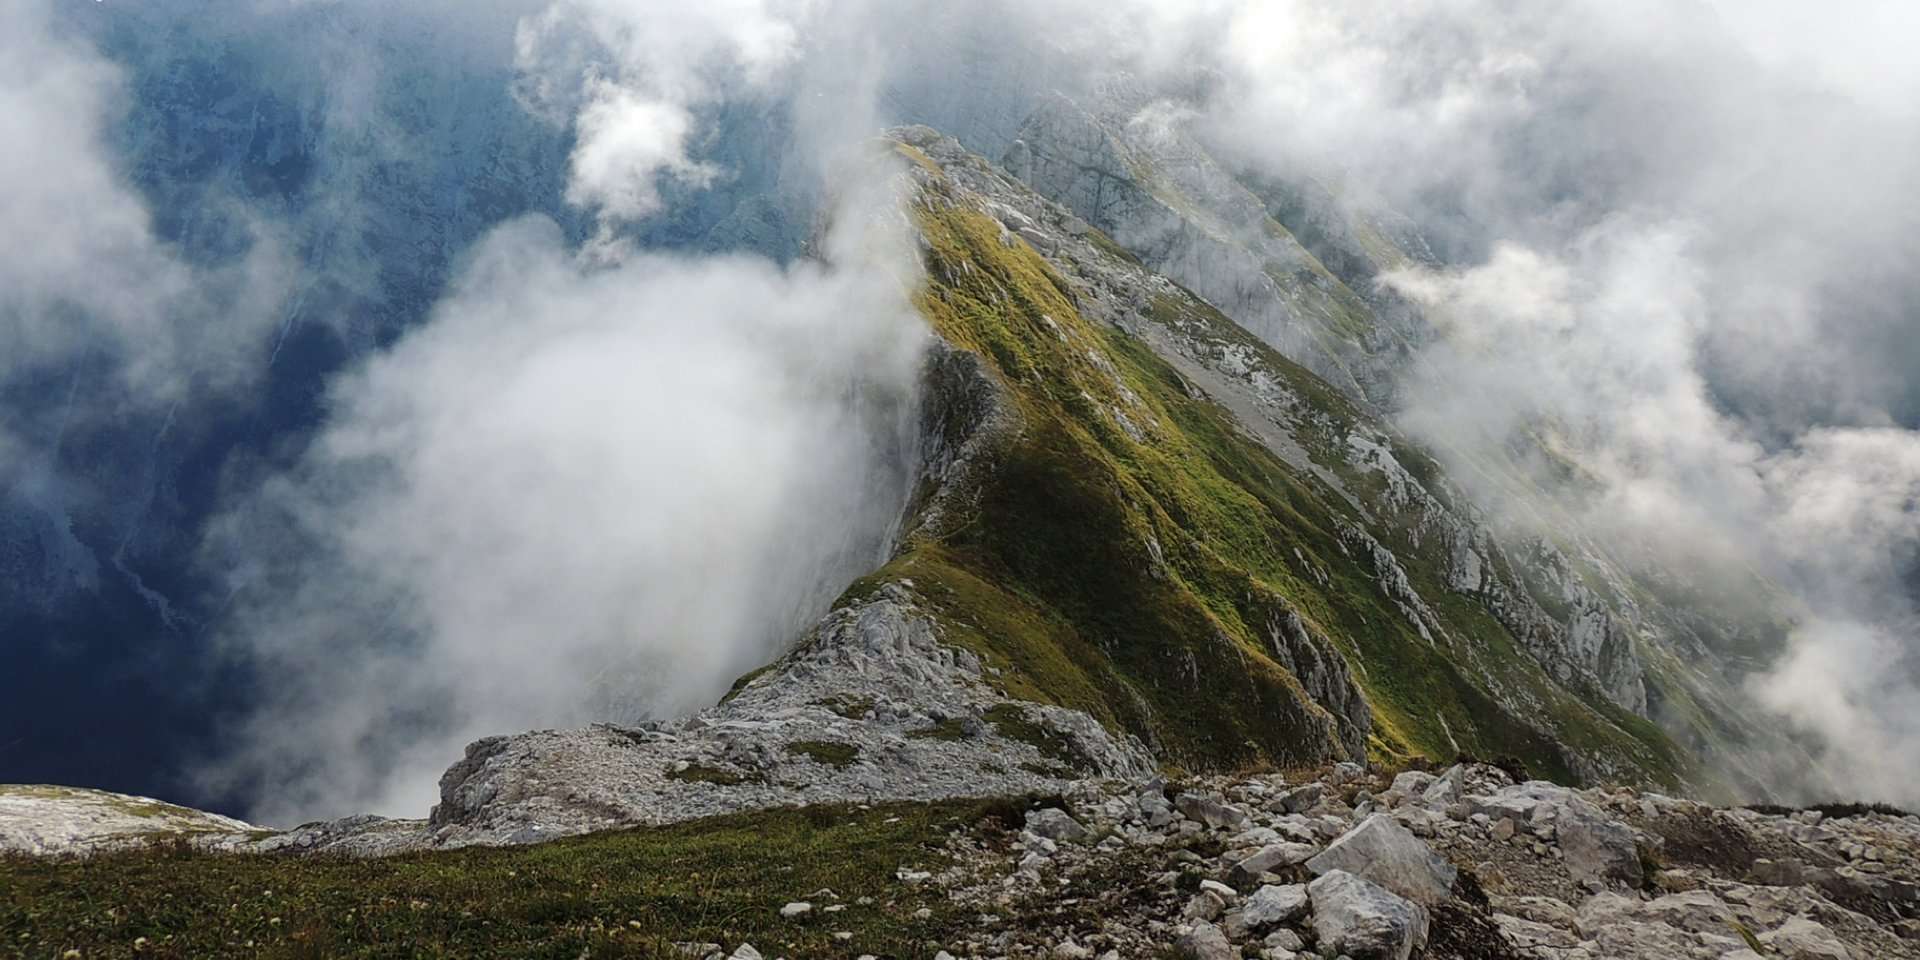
x=1214, y=813
x=1054, y=824
x=1386, y=853
x=1273, y=905
x=1364, y=920
x=1205, y=942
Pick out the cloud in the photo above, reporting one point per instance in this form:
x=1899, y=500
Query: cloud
x=578, y=492
x=1604, y=349
x=598, y=483
x=104, y=325
x=629, y=75
x=1679, y=242
x=82, y=275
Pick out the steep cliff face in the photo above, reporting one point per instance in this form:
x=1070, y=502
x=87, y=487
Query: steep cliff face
x=1279, y=515
x=1298, y=267
x=1128, y=167
x=1141, y=539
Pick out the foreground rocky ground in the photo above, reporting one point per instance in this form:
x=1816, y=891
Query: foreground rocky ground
x=1341, y=862
x=1466, y=863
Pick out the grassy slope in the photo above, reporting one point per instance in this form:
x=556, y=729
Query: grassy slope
x=1054, y=579
x=626, y=894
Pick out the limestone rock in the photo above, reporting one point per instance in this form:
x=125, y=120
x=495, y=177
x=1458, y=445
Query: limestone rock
x=46, y=819
x=1413, y=783
x=1363, y=920
x=1388, y=854
x=1272, y=905
x=1599, y=850
x=1212, y=812
x=1303, y=798
x=1803, y=939
x=1054, y=823
x=1204, y=906
x=1275, y=856
x=1205, y=942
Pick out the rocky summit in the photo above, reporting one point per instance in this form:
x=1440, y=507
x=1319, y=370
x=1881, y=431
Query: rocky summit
x=1160, y=536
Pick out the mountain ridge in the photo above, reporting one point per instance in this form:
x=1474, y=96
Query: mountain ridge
x=1141, y=532
x=1171, y=656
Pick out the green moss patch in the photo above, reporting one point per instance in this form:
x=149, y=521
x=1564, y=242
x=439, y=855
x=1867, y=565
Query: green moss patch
x=1012, y=722
x=828, y=752
x=624, y=894
x=950, y=729
x=698, y=773
x=850, y=707
x=1132, y=548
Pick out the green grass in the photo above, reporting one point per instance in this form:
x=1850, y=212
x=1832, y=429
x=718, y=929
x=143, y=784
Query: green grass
x=1099, y=238
x=950, y=729
x=745, y=679
x=850, y=707
x=698, y=773
x=826, y=752
x=1136, y=580
x=623, y=894
x=1012, y=722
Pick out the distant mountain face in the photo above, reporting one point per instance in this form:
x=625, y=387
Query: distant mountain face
x=103, y=594
x=1183, y=518
x=1140, y=538
x=379, y=164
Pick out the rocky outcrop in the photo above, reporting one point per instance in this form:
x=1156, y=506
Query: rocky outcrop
x=39, y=819
x=1382, y=851
x=1599, y=852
x=1125, y=164
x=1153, y=883
x=871, y=707
x=1363, y=920
x=1323, y=672
x=963, y=412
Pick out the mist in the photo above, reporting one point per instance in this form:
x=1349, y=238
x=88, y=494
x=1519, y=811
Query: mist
x=621, y=459
x=599, y=482
x=102, y=322
x=578, y=493
x=1680, y=241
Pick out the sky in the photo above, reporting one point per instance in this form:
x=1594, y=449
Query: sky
x=623, y=445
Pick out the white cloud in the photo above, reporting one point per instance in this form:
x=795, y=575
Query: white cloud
x=579, y=492
x=82, y=275
x=1683, y=236
x=629, y=75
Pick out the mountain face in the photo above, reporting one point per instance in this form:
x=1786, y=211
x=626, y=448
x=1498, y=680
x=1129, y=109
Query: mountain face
x=1134, y=171
x=1142, y=538
x=1214, y=544
x=1142, y=543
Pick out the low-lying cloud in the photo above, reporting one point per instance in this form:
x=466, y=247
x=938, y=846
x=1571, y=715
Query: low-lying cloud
x=1681, y=246
x=579, y=492
x=599, y=481
x=82, y=275
x=102, y=322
